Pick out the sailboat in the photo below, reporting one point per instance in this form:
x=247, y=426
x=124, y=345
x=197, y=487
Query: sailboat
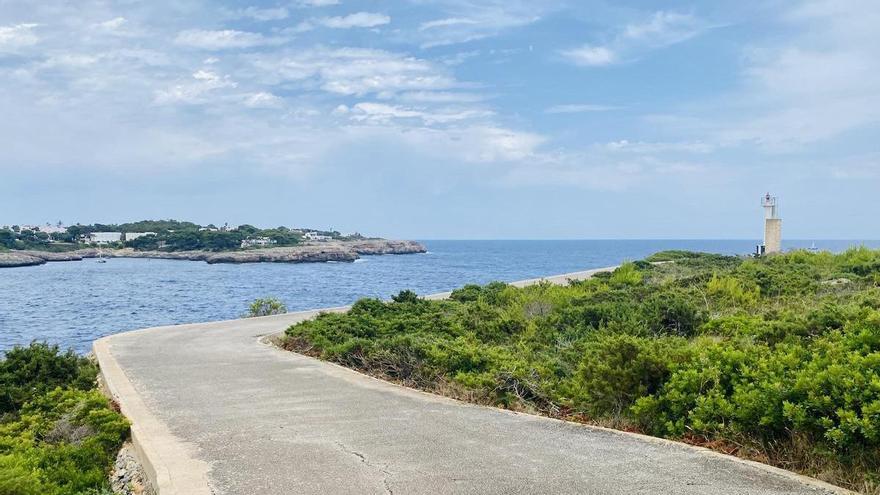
x=101, y=258
x=813, y=248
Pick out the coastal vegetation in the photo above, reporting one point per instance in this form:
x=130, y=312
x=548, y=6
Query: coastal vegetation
x=58, y=433
x=18, y=238
x=775, y=359
x=266, y=307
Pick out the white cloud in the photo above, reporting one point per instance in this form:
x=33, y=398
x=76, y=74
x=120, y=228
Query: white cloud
x=69, y=60
x=590, y=56
x=664, y=29
x=356, y=71
x=579, y=108
x=112, y=24
x=318, y=3
x=197, y=90
x=818, y=83
x=477, y=144
x=641, y=147
x=660, y=30
x=223, y=39
x=451, y=21
x=356, y=20
x=262, y=99
x=470, y=20
x=441, y=97
x=262, y=14
x=504, y=144
x=384, y=113
x=17, y=36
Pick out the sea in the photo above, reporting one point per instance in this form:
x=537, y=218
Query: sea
x=73, y=303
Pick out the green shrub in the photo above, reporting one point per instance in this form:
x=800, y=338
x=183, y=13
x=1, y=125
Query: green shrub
x=58, y=435
x=733, y=292
x=63, y=443
x=266, y=307
x=26, y=372
x=406, y=296
x=673, y=312
x=617, y=369
x=626, y=274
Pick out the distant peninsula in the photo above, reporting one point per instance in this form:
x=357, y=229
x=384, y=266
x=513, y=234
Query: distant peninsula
x=170, y=239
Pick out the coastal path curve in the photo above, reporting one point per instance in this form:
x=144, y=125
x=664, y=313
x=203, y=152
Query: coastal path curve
x=215, y=409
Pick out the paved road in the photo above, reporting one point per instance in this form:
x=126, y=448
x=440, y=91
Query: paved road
x=214, y=406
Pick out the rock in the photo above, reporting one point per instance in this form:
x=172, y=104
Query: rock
x=316, y=252
x=16, y=259
x=297, y=254
x=66, y=256
x=128, y=476
x=386, y=247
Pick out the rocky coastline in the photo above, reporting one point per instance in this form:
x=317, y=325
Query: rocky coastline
x=339, y=251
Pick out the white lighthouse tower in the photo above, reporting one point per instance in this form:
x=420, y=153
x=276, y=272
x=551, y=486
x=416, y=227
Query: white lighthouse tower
x=772, y=226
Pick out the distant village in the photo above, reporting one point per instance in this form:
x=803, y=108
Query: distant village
x=172, y=235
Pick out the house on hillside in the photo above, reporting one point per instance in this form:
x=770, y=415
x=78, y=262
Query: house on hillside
x=314, y=236
x=130, y=236
x=104, y=237
x=257, y=242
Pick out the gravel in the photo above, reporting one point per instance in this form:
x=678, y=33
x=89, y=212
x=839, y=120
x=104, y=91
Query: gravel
x=128, y=476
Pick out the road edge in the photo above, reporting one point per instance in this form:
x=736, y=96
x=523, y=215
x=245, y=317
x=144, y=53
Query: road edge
x=168, y=463
x=274, y=339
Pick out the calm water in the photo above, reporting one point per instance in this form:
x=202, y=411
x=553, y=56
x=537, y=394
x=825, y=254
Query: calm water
x=73, y=303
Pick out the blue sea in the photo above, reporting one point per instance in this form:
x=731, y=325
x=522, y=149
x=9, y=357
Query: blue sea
x=73, y=303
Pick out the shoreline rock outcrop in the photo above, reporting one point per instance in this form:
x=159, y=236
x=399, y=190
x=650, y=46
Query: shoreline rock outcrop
x=317, y=252
x=15, y=259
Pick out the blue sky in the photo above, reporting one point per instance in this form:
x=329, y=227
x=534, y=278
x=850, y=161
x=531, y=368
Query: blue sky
x=445, y=118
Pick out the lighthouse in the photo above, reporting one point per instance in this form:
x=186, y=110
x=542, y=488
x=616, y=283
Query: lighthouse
x=772, y=226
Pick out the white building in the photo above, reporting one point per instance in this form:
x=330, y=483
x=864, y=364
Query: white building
x=314, y=236
x=104, y=237
x=47, y=228
x=257, y=242
x=772, y=226
x=130, y=236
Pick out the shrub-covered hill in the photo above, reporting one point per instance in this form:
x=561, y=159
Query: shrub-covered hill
x=775, y=359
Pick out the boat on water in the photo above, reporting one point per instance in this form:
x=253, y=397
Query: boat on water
x=101, y=258
x=813, y=248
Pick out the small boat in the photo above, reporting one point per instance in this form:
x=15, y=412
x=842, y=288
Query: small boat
x=101, y=258
x=813, y=248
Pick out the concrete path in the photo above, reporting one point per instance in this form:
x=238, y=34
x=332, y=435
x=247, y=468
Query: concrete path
x=216, y=410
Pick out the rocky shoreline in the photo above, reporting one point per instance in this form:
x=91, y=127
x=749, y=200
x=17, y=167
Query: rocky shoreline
x=345, y=251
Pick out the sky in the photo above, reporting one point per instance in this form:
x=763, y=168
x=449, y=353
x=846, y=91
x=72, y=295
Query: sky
x=431, y=119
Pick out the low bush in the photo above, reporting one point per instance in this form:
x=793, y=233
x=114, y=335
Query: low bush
x=27, y=372
x=58, y=434
x=266, y=307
